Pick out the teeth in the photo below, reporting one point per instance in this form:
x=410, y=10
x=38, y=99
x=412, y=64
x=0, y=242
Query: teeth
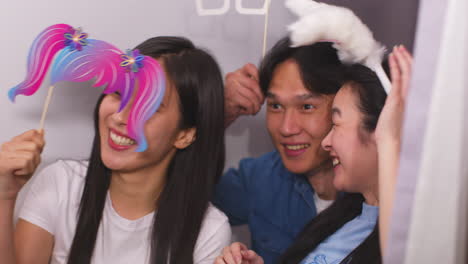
x=123, y=141
x=336, y=162
x=297, y=147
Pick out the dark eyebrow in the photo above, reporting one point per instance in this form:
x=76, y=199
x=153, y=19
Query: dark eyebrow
x=336, y=111
x=303, y=97
x=270, y=95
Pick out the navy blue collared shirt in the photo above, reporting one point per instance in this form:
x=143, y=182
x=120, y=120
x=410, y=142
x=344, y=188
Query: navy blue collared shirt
x=275, y=203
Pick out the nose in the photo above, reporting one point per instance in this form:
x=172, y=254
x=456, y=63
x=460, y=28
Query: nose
x=290, y=125
x=326, y=142
x=121, y=118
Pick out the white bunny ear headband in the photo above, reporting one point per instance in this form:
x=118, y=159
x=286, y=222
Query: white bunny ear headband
x=352, y=39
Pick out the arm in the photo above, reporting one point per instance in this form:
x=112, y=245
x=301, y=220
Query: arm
x=388, y=137
x=232, y=193
x=242, y=93
x=7, y=248
x=33, y=244
x=27, y=243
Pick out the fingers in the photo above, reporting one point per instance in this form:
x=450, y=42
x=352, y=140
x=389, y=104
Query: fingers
x=243, y=95
x=228, y=256
x=232, y=254
x=252, y=257
x=250, y=70
x=238, y=102
x=35, y=136
x=236, y=249
x=405, y=62
x=29, y=146
x=22, y=155
x=247, y=82
x=219, y=260
x=406, y=54
x=404, y=66
x=400, y=68
x=18, y=164
x=395, y=75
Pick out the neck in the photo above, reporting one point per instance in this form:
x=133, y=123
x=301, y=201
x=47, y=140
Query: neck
x=135, y=194
x=322, y=182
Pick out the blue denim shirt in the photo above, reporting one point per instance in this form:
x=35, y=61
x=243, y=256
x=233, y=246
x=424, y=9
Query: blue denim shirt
x=275, y=203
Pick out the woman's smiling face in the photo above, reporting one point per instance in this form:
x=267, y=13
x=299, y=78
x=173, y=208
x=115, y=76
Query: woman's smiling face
x=161, y=131
x=352, y=148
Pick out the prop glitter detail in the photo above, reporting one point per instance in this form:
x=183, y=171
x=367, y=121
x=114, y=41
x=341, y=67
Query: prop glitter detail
x=351, y=37
x=75, y=58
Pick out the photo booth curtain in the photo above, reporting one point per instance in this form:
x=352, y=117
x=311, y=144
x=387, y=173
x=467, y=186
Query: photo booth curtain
x=429, y=220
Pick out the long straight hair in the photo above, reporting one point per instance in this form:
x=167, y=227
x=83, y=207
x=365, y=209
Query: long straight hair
x=371, y=99
x=192, y=173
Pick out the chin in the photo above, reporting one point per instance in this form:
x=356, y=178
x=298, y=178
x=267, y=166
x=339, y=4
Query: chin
x=299, y=167
x=112, y=162
x=112, y=165
x=339, y=184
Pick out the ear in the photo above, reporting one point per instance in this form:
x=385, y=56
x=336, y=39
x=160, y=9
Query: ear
x=185, y=138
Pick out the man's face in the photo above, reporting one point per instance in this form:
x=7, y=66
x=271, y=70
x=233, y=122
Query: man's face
x=297, y=120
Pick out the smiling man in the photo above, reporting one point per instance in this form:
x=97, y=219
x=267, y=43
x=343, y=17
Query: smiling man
x=279, y=192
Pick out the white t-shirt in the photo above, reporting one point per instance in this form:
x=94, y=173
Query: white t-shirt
x=52, y=204
x=321, y=204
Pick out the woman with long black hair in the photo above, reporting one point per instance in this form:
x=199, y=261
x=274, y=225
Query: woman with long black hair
x=364, y=144
x=124, y=206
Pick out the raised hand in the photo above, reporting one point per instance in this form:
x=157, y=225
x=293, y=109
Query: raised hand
x=388, y=136
x=19, y=159
x=242, y=93
x=390, y=123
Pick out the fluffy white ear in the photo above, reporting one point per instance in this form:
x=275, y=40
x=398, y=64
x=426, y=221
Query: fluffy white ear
x=355, y=43
x=302, y=7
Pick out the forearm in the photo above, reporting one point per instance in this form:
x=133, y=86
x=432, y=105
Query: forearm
x=7, y=248
x=389, y=155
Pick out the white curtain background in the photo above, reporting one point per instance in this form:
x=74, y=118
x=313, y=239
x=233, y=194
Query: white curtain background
x=429, y=223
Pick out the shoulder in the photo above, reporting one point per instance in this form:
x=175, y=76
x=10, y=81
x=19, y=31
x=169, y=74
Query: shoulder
x=215, y=223
x=54, y=192
x=215, y=234
x=66, y=176
x=214, y=219
x=267, y=162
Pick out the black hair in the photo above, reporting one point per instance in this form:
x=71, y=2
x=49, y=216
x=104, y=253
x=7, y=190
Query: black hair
x=371, y=99
x=193, y=171
x=344, y=209
x=319, y=66
x=371, y=94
